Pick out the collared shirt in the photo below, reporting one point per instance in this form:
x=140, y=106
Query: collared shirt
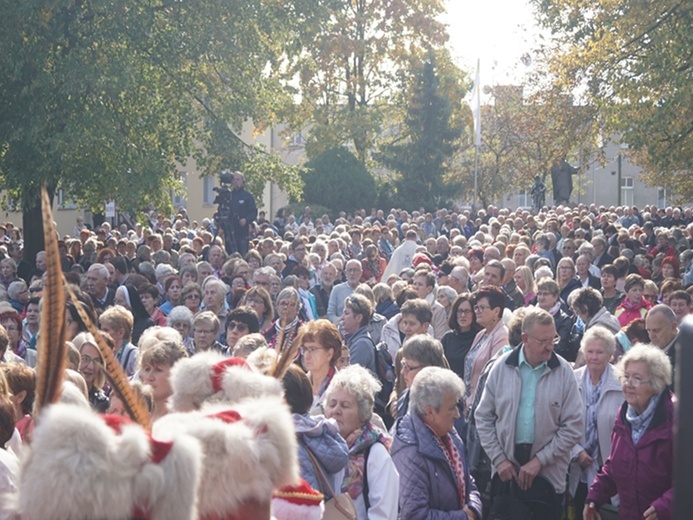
x=524, y=427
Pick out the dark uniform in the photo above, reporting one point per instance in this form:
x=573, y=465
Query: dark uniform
x=242, y=207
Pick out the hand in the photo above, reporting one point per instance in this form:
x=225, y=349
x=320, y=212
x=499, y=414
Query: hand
x=650, y=513
x=590, y=512
x=527, y=474
x=506, y=471
x=242, y=222
x=471, y=515
x=584, y=459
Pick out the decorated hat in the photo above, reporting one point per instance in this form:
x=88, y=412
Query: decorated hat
x=299, y=502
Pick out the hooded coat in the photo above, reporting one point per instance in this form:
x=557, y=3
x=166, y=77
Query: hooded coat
x=428, y=488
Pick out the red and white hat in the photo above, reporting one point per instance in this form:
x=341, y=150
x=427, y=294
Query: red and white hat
x=300, y=502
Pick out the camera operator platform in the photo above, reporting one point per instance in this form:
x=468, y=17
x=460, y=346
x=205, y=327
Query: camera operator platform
x=236, y=211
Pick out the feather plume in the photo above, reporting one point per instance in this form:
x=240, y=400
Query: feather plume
x=114, y=372
x=52, y=358
x=286, y=355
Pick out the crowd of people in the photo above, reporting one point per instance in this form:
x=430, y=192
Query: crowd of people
x=448, y=362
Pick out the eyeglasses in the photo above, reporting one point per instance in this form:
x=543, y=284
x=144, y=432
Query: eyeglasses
x=546, y=342
x=408, y=368
x=192, y=297
x=310, y=350
x=464, y=312
x=242, y=327
x=253, y=301
x=635, y=382
x=285, y=303
x=481, y=308
x=87, y=360
x=544, y=293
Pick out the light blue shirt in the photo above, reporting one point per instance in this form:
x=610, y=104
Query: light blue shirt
x=524, y=427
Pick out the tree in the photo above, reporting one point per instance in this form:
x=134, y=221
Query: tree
x=338, y=180
x=632, y=63
x=350, y=69
x=522, y=135
x=423, y=148
x=102, y=98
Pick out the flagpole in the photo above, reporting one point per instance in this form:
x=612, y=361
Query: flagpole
x=476, y=168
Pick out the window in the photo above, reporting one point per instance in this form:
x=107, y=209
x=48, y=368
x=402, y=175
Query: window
x=207, y=191
x=179, y=200
x=662, y=198
x=64, y=202
x=627, y=191
x=524, y=199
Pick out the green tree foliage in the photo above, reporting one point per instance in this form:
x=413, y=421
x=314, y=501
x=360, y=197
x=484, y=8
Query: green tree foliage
x=103, y=97
x=338, y=180
x=522, y=136
x=631, y=61
x=422, y=150
x=351, y=69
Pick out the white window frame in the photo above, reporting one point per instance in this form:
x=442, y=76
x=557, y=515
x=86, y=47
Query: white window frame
x=627, y=191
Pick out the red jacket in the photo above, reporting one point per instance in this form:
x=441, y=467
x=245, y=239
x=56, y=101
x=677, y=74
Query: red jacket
x=641, y=474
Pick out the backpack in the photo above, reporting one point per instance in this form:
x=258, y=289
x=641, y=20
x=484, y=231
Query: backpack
x=385, y=372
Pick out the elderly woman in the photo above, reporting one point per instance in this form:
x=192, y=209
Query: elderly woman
x=602, y=397
x=430, y=456
x=160, y=349
x=587, y=304
x=181, y=319
x=370, y=478
x=258, y=299
x=321, y=347
x=463, y=329
x=633, y=306
x=285, y=328
x=524, y=279
x=640, y=466
x=214, y=300
x=321, y=450
x=565, y=278
x=489, y=307
x=191, y=297
x=12, y=322
x=90, y=369
x=548, y=299
x=205, y=332
x=418, y=352
x=446, y=296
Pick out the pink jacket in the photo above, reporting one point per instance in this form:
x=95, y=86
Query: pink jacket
x=498, y=338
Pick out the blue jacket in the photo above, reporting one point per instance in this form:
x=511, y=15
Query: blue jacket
x=327, y=446
x=428, y=489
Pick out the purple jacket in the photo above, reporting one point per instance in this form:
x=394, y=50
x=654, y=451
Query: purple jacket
x=427, y=487
x=640, y=474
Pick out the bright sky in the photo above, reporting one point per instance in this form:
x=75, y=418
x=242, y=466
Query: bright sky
x=498, y=32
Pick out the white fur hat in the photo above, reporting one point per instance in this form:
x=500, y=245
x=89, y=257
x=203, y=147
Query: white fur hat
x=82, y=468
x=250, y=450
x=209, y=376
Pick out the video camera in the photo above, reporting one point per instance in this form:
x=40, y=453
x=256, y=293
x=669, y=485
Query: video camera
x=223, y=199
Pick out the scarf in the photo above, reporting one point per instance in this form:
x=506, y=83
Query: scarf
x=454, y=459
x=326, y=382
x=556, y=307
x=639, y=423
x=592, y=395
x=374, y=267
x=358, y=441
x=289, y=333
x=631, y=307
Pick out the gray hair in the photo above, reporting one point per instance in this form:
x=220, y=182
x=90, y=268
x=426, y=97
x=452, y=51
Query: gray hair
x=657, y=362
x=424, y=349
x=180, y=314
x=430, y=387
x=289, y=293
x=361, y=384
x=207, y=317
x=359, y=304
x=266, y=270
x=217, y=284
x=602, y=334
x=449, y=293
x=100, y=269
x=16, y=288
x=535, y=315
x=249, y=344
x=365, y=290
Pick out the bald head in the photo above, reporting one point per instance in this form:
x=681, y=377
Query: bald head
x=660, y=324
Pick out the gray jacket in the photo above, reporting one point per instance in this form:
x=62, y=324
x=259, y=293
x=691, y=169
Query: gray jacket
x=559, y=418
x=362, y=349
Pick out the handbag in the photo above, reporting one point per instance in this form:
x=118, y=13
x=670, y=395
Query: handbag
x=339, y=507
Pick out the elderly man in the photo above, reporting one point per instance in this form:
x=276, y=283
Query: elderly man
x=529, y=417
x=661, y=326
x=216, y=258
x=322, y=290
x=97, y=287
x=335, y=306
x=459, y=279
x=354, y=328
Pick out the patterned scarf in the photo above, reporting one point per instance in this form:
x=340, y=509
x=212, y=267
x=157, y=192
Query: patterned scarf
x=639, y=423
x=358, y=441
x=592, y=396
x=452, y=455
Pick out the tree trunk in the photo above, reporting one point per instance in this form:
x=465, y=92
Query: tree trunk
x=32, y=222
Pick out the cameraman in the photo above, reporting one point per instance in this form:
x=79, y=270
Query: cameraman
x=243, y=212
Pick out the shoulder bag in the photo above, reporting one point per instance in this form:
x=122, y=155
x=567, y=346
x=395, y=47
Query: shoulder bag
x=339, y=507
